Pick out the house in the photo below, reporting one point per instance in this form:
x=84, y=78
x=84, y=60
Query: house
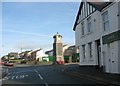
x=37, y=54
x=25, y=55
x=64, y=48
x=40, y=56
x=70, y=52
x=97, y=35
x=49, y=53
x=12, y=55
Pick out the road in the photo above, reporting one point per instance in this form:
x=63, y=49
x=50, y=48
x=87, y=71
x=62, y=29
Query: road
x=45, y=75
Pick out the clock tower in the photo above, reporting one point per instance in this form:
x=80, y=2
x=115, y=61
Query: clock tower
x=58, y=49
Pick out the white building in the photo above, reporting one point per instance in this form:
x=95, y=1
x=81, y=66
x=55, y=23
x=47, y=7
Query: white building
x=97, y=34
x=40, y=54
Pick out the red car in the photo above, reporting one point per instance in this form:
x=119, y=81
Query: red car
x=1, y=63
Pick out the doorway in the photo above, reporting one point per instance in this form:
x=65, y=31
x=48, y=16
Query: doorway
x=99, y=53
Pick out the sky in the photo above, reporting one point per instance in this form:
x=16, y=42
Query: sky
x=32, y=25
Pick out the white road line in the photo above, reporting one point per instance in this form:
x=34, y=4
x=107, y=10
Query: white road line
x=46, y=84
x=39, y=74
x=16, y=77
x=26, y=75
x=22, y=76
x=8, y=74
x=41, y=77
x=12, y=77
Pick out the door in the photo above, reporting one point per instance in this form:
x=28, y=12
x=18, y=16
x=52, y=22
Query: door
x=99, y=53
x=112, y=61
x=99, y=56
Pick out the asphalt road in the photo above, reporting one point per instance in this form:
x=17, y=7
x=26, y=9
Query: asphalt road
x=42, y=75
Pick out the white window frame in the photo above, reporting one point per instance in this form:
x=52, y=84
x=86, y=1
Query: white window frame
x=89, y=25
x=90, y=49
x=83, y=49
x=105, y=17
x=82, y=28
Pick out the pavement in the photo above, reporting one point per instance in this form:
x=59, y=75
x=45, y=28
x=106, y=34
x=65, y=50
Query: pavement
x=92, y=73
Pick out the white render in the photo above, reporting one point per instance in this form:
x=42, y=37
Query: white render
x=109, y=55
x=40, y=54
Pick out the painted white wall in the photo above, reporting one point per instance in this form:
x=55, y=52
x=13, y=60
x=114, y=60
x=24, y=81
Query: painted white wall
x=40, y=54
x=64, y=48
x=113, y=19
x=119, y=56
x=110, y=51
x=119, y=40
x=107, y=56
x=87, y=38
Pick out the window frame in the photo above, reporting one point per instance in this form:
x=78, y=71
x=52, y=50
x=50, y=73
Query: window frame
x=83, y=28
x=89, y=24
x=90, y=49
x=83, y=48
x=105, y=20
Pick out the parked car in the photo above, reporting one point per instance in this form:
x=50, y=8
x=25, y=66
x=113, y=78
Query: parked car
x=1, y=63
x=9, y=63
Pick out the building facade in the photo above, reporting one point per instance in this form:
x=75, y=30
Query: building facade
x=97, y=34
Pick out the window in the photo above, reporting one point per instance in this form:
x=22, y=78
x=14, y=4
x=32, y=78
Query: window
x=89, y=24
x=105, y=21
x=90, y=49
x=83, y=28
x=90, y=8
x=83, y=47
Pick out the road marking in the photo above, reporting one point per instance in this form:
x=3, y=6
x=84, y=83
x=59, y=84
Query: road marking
x=41, y=77
x=8, y=74
x=3, y=79
x=39, y=74
x=16, y=77
x=12, y=77
x=26, y=75
x=22, y=76
x=46, y=84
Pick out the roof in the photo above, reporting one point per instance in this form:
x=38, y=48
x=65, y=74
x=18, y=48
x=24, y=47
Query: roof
x=64, y=45
x=48, y=51
x=34, y=51
x=98, y=6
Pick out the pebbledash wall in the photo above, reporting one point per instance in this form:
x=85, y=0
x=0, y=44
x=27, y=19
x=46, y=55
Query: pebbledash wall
x=105, y=44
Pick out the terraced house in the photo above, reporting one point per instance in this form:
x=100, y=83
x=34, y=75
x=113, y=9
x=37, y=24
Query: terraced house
x=97, y=34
